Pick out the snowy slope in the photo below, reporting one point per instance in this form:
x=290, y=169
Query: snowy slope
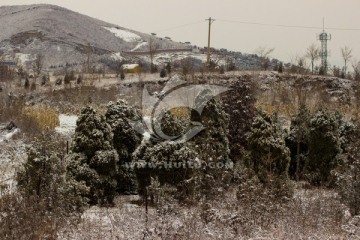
x=63, y=36
x=125, y=35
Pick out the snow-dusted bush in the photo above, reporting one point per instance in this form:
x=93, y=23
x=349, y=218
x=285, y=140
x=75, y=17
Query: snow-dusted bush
x=174, y=122
x=94, y=159
x=239, y=104
x=44, y=175
x=316, y=141
x=193, y=163
x=47, y=199
x=167, y=161
x=347, y=174
x=268, y=155
x=297, y=141
x=212, y=145
x=125, y=140
x=324, y=146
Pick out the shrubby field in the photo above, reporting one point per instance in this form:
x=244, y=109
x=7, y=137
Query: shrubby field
x=288, y=141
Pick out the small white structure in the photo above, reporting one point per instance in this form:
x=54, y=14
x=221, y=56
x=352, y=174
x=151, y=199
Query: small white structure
x=131, y=68
x=195, y=50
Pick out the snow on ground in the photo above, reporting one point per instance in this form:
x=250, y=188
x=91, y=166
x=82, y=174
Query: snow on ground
x=5, y=134
x=124, y=34
x=162, y=58
x=117, y=56
x=11, y=157
x=67, y=124
x=8, y=135
x=140, y=45
x=201, y=57
x=23, y=57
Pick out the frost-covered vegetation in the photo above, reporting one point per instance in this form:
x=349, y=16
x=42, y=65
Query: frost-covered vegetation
x=289, y=167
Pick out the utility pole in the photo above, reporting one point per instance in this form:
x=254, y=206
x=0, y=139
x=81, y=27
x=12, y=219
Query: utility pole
x=208, y=48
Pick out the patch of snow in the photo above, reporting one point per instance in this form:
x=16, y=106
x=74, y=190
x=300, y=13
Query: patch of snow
x=9, y=135
x=201, y=57
x=67, y=124
x=139, y=46
x=23, y=57
x=124, y=34
x=163, y=58
x=12, y=155
x=146, y=136
x=117, y=56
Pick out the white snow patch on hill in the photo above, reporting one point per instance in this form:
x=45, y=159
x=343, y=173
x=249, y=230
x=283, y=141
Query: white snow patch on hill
x=139, y=46
x=117, y=56
x=124, y=35
x=67, y=124
x=23, y=57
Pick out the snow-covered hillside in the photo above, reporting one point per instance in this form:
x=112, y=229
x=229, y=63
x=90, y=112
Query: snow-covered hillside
x=125, y=35
x=63, y=36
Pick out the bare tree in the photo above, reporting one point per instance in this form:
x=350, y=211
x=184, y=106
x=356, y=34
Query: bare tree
x=264, y=54
x=88, y=51
x=187, y=67
x=346, y=55
x=38, y=64
x=313, y=53
x=301, y=64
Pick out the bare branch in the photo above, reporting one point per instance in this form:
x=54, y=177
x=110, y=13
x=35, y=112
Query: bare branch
x=346, y=55
x=312, y=53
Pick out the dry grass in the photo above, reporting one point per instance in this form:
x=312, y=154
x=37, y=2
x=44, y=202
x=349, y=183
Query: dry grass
x=32, y=120
x=45, y=117
x=310, y=214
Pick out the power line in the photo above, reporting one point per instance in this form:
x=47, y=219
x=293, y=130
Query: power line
x=259, y=24
x=286, y=26
x=179, y=26
x=267, y=24
x=344, y=29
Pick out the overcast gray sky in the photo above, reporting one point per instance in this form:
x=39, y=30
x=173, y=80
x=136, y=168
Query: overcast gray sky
x=163, y=16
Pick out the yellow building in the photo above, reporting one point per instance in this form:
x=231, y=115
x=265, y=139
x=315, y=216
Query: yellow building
x=131, y=68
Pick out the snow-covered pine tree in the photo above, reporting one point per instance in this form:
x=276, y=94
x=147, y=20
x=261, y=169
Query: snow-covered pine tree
x=94, y=159
x=167, y=160
x=212, y=144
x=268, y=155
x=125, y=141
x=297, y=142
x=47, y=199
x=324, y=146
x=239, y=104
x=347, y=176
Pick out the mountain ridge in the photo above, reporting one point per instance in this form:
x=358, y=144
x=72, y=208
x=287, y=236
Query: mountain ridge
x=62, y=35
